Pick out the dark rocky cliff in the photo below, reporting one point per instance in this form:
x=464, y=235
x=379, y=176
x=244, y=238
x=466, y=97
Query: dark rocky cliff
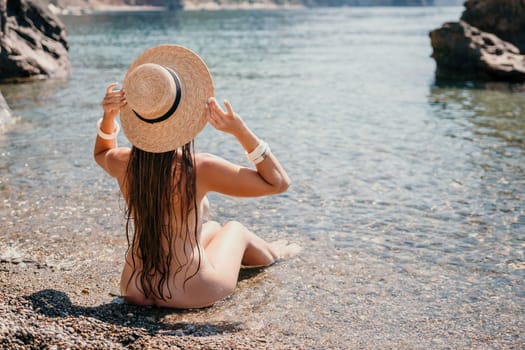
x=32, y=42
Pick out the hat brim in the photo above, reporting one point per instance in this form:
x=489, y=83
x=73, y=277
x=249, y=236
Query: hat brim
x=190, y=116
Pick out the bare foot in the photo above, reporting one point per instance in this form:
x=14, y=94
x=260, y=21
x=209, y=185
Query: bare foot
x=283, y=250
x=280, y=249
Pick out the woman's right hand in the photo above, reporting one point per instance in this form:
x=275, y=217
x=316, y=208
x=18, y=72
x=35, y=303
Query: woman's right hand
x=113, y=101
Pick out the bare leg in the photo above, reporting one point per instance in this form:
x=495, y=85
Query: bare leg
x=257, y=251
x=208, y=232
x=232, y=245
x=210, y=227
x=235, y=242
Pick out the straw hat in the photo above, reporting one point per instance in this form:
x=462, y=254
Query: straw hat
x=167, y=88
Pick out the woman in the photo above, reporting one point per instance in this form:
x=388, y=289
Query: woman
x=174, y=259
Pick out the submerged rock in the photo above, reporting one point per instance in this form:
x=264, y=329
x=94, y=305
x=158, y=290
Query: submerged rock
x=463, y=51
x=6, y=117
x=33, y=42
x=505, y=18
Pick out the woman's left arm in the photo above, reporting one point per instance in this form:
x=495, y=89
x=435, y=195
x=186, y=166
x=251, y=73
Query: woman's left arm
x=106, y=151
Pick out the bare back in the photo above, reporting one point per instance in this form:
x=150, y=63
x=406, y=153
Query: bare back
x=213, y=261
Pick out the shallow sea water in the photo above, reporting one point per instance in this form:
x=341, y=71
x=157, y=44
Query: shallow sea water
x=408, y=194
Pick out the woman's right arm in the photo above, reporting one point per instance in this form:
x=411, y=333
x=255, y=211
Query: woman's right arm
x=111, y=158
x=221, y=176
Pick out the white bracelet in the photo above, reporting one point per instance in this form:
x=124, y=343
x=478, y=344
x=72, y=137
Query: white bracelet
x=261, y=158
x=259, y=153
x=105, y=136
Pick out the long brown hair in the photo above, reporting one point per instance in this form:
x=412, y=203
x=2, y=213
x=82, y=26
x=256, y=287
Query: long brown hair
x=161, y=190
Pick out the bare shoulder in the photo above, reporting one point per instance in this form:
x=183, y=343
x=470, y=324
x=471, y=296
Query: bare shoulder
x=115, y=161
x=208, y=163
x=203, y=160
x=211, y=170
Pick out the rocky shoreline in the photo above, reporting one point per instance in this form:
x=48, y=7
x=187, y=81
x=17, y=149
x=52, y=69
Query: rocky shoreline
x=80, y=8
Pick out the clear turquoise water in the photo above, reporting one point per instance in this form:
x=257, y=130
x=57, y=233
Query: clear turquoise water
x=392, y=171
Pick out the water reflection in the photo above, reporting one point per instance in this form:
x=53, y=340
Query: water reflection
x=496, y=110
x=32, y=95
x=485, y=125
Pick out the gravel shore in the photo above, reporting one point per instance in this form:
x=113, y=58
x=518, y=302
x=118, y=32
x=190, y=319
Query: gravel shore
x=345, y=301
x=45, y=307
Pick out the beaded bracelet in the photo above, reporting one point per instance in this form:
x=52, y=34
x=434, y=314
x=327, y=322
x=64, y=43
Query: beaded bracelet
x=105, y=136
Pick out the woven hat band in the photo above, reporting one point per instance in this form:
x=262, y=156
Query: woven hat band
x=175, y=104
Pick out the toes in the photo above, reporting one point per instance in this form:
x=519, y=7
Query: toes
x=284, y=250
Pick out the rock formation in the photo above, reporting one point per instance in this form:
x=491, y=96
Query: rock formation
x=463, y=51
x=32, y=42
x=505, y=18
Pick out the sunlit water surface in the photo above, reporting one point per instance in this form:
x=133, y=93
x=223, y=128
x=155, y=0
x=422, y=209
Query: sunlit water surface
x=390, y=169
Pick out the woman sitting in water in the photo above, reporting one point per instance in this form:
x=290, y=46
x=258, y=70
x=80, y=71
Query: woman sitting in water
x=175, y=259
